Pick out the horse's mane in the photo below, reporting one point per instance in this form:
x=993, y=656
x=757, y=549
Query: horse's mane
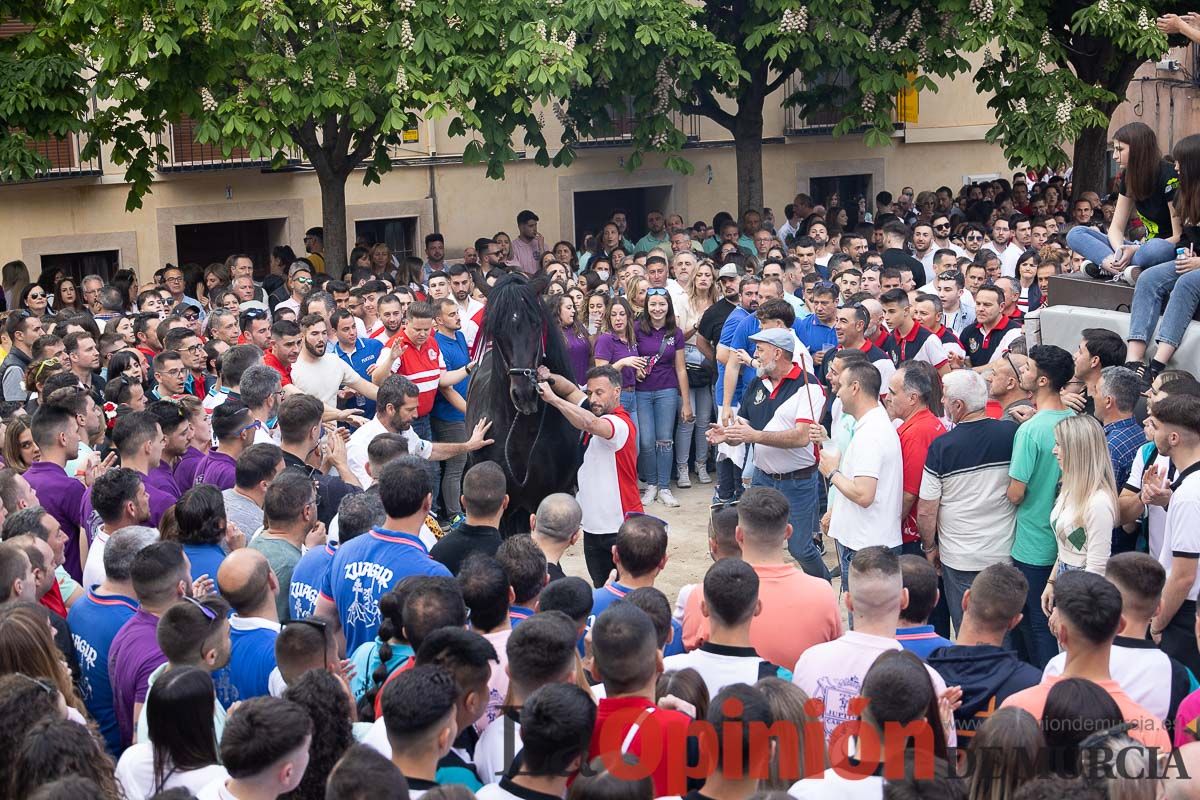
x=512, y=296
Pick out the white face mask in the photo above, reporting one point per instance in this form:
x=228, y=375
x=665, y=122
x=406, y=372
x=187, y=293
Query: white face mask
x=603, y=273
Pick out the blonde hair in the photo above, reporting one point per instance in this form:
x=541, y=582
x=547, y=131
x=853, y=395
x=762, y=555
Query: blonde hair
x=631, y=289
x=709, y=297
x=1086, y=468
x=27, y=647
x=787, y=706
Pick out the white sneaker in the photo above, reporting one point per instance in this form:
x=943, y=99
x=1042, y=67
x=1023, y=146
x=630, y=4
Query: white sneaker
x=666, y=498
x=702, y=474
x=649, y=495
x=682, y=479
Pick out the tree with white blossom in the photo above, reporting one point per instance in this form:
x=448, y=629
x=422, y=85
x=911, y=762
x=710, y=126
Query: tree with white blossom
x=340, y=80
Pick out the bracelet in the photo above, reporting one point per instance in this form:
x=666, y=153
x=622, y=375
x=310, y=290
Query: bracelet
x=929, y=549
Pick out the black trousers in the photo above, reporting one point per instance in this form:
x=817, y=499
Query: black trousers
x=597, y=553
x=1179, y=637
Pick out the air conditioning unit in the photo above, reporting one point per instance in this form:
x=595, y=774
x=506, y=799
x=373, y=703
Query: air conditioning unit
x=1168, y=65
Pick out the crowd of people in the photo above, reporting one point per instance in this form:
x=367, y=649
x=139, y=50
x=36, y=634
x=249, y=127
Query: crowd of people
x=244, y=557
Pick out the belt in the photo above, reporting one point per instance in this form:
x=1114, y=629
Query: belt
x=795, y=474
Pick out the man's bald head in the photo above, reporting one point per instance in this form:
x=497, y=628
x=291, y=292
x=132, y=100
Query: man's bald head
x=246, y=580
x=558, y=517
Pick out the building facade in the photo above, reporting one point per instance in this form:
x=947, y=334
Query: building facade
x=204, y=206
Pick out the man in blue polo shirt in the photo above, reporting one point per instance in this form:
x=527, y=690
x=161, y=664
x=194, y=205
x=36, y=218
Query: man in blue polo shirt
x=448, y=417
x=816, y=332
x=95, y=620
x=361, y=354
x=640, y=554
x=374, y=563
x=729, y=474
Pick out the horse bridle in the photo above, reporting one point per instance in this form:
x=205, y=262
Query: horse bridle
x=527, y=372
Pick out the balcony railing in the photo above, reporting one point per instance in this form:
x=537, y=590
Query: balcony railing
x=186, y=154
x=623, y=122
x=820, y=122
x=65, y=155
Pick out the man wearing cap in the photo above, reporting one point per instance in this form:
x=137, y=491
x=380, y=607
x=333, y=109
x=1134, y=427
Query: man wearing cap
x=528, y=246
x=299, y=284
x=779, y=409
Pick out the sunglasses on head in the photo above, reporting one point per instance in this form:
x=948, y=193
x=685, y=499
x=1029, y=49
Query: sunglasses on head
x=208, y=612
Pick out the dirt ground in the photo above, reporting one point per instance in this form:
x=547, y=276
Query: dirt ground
x=687, y=552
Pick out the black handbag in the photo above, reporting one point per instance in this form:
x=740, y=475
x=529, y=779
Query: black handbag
x=702, y=374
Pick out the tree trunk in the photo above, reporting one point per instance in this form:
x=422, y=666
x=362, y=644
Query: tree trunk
x=1089, y=162
x=333, y=219
x=747, y=147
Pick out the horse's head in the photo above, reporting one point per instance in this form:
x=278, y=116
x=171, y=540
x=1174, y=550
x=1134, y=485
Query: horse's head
x=523, y=352
x=519, y=328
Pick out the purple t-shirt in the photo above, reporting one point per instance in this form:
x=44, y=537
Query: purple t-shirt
x=162, y=478
x=612, y=348
x=160, y=501
x=59, y=494
x=185, y=470
x=133, y=656
x=218, y=469
x=662, y=373
x=579, y=353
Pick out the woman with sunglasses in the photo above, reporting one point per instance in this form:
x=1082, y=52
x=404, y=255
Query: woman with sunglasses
x=34, y=300
x=662, y=396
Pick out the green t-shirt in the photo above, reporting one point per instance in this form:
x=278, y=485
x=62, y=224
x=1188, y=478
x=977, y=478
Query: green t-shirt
x=283, y=557
x=1034, y=464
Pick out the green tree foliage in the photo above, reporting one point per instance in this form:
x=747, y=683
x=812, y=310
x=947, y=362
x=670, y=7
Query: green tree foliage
x=42, y=92
x=339, y=80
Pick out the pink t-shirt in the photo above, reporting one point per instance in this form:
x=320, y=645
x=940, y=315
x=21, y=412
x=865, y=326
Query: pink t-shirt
x=1187, y=720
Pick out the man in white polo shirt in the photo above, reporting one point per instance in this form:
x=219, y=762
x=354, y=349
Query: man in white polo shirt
x=608, y=487
x=866, y=509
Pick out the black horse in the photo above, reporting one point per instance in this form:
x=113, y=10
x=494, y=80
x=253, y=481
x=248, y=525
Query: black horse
x=538, y=449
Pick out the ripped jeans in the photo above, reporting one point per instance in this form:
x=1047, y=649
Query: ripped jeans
x=657, y=413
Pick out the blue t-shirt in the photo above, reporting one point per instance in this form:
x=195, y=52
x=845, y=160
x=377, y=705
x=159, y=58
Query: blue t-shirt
x=251, y=660
x=727, y=331
x=205, y=559
x=610, y=593
x=365, y=568
x=94, y=620
x=366, y=353
x=307, y=577
x=921, y=640
x=456, y=354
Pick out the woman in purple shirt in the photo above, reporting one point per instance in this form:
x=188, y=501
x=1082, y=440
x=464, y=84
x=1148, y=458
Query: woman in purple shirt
x=658, y=397
x=618, y=346
x=579, y=347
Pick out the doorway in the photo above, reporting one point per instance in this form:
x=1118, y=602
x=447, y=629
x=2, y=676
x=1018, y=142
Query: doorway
x=593, y=209
x=211, y=242
x=847, y=187
x=398, y=233
x=76, y=265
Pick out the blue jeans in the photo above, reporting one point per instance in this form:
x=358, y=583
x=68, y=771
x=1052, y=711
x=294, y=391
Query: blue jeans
x=1156, y=285
x=687, y=432
x=1093, y=245
x=729, y=481
x=657, y=410
x=1035, y=643
x=802, y=497
x=422, y=427
x=956, y=582
x=629, y=403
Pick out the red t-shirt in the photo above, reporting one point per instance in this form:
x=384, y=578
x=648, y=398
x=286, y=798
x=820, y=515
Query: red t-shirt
x=915, y=435
x=285, y=373
x=660, y=737
x=423, y=366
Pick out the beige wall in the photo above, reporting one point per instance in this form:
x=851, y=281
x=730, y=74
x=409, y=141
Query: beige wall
x=88, y=213
x=1165, y=100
